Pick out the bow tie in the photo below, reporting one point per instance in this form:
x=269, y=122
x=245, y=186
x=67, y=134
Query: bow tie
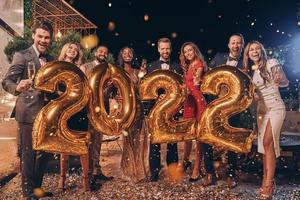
x=232, y=59
x=43, y=56
x=165, y=62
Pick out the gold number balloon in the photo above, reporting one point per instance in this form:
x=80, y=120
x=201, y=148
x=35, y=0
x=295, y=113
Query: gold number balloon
x=161, y=125
x=214, y=128
x=101, y=121
x=50, y=131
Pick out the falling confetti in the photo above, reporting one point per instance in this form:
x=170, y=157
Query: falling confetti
x=111, y=26
x=146, y=17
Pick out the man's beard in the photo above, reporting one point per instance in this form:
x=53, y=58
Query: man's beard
x=102, y=59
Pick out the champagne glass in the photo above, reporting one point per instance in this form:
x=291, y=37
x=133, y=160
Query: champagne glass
x=31, y=71
x=143, y=69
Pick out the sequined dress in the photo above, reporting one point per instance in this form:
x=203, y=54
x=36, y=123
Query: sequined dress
x=135, y=145
x=195, y=102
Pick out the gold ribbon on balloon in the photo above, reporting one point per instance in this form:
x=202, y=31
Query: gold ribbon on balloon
x=161, y=125
x=50, y=130
x=235, y=94
x=100, y=120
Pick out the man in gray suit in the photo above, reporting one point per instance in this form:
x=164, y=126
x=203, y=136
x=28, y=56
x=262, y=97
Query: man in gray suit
x=101, y=56
x=28, y=104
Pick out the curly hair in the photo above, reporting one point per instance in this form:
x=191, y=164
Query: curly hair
x=120, y=60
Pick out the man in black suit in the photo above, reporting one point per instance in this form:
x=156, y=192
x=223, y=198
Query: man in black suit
x=233, y=58
x=28, y=104
x=164, y=63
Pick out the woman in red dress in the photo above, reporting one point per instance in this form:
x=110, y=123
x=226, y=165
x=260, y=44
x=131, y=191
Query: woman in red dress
x=194, y=65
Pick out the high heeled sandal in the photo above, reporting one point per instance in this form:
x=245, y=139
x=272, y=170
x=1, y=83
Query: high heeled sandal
x=191, y=179
x=209, y=180
x=262, y=185
x=267, y=191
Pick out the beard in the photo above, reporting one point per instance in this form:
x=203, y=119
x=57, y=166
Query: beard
x=102, y=59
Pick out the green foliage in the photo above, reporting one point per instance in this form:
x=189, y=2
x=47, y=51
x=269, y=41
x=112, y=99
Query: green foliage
x=88, y=55
x=111, y=58
x=28, y=9
x=18, y=44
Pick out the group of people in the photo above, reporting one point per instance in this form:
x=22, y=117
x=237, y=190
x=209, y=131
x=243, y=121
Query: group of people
x=267, y=76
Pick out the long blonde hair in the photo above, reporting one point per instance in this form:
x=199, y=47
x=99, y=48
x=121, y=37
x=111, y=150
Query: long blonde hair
x=78, y=60
x=199, y=56
x=262, y=63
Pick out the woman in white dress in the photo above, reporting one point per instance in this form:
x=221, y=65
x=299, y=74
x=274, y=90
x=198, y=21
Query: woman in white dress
x=267, y=76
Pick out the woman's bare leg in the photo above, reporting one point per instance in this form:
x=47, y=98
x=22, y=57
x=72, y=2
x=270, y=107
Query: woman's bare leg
x=198, y=156
x=269, y=160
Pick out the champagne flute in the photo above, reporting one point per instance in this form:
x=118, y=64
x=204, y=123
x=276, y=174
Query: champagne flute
x=31, y=71
x=143, y=69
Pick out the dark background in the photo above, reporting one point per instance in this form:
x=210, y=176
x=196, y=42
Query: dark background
x=208, y=23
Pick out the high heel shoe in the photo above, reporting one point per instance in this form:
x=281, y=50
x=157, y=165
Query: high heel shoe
x=267, y=191
x=209, y=180
x=194, y=179
x=262, y=185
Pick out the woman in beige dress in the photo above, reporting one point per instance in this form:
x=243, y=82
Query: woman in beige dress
x=267, y=77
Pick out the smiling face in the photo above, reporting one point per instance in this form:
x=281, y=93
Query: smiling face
x=127, y=55
x=164, y=49
x=101, y=54
x=72, y=51
x=255, y=52
x=41, y=40
x=189, y=52
x=235, y=46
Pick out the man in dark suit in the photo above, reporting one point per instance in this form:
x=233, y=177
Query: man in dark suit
x=28, y=104
x=233, y=58
x=164, y=63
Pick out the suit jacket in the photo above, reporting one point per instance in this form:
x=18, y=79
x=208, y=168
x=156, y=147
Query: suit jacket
x=29, y=102
x=156, y=65
x=221, y=59
x=175, y=67
x=88, y=67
